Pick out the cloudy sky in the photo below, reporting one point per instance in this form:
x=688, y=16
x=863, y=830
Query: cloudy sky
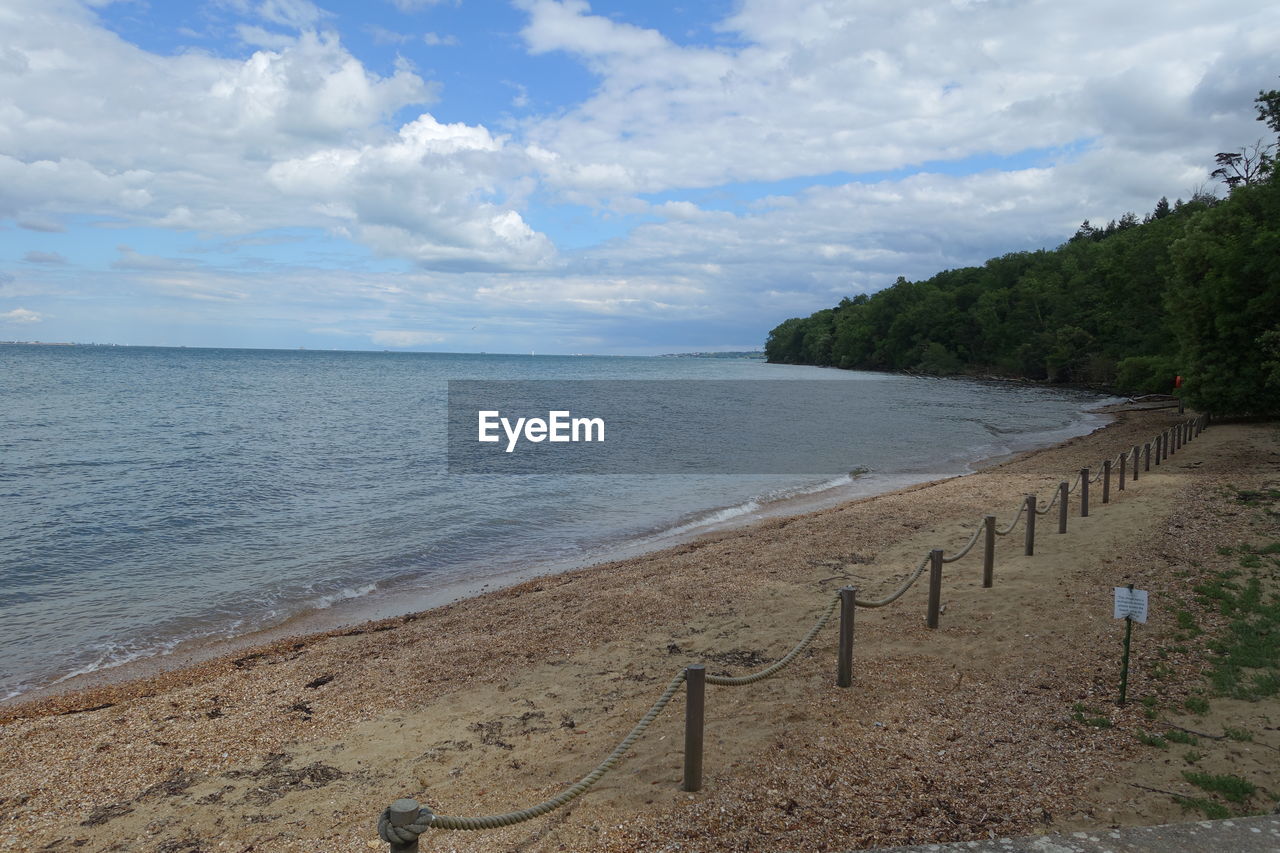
x=620, y=176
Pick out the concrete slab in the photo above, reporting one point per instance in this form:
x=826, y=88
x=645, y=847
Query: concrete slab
x=1236, y=835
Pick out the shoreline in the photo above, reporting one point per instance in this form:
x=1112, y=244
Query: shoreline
x=398, y=601
x=346, y=614
x=490, y=704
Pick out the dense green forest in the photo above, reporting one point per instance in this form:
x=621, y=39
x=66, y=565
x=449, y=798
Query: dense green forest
x=1191, y=289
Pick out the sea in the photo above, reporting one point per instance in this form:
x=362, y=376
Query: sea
x=154, y=499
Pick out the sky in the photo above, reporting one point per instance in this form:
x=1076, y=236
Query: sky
x=560, y=176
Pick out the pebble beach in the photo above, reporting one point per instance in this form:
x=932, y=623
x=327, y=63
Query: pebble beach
x=493, y=703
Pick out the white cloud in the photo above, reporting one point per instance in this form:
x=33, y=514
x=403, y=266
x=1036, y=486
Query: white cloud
x=92, y=124
x=414, y=5
x=404, y=338
x=298, y=135
x=44, y=225
x=21, y=315
x=36, y=257
x=437, y=40
x=422, y=196
x=816, y=88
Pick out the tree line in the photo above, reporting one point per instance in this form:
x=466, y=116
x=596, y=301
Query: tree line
x=1192, y=290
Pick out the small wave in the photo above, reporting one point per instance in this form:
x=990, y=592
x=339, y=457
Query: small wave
x=324, y=602
x=113, y=655
x=755, y=504
x=708, y=519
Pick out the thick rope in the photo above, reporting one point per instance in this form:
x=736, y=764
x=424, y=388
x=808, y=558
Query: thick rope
x=897, y=593
x=1057, y=493
x=428, y=820
x=739, y=680
x=967, y=548
x=1013, y=523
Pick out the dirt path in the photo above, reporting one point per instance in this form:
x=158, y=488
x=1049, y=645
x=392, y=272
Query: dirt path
x=491, y=704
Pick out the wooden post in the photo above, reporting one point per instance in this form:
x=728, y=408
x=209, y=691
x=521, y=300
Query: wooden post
x=1136, y=456
x=1064, y=493
x=1146, y=456
x=935, y=587
x=695, y=685
x=1106, y=481
x=1159, y=450
x=844, y=665
x=1124, y=463
x=1031, y=525
x=404, y=812
x=989, y=552
x=1084, y=492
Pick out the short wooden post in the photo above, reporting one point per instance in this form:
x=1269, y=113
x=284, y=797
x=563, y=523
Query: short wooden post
x=1084, y=492
x=1159, y=450
x=989, y=552
x=1177, y=438
x=1146, y=456
x=1124, y=464
x=1106, y=481
x=844, y=666
x=695, y=687
x=402, y=813
x=1164, y=455
x=1031, y=525
x=1136, y=456
x=935, y=587
x=1064, y=493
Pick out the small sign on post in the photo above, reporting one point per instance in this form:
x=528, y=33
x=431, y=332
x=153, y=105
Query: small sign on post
x=1130, y=604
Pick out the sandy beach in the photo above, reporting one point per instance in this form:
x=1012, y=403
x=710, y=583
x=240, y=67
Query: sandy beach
x=494, y=703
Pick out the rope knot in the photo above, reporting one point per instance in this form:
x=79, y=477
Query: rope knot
x=403, y=833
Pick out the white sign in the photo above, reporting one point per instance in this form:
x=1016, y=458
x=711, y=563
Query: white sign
x=1131, y=602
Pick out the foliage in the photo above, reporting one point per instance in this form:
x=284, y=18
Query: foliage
x=1231, y=788
x=1193, y=289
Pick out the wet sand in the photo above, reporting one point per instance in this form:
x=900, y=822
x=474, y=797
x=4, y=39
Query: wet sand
x=493, y=703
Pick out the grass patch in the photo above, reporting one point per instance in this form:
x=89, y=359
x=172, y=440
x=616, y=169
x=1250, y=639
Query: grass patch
x=1197, y=705
x=1185, y=738
x=1210, y=809
x=1233, y=789
x=1257, y=497
x=1237, y=734
x=1152, y=740
x=1191, y=756
x=1096, y=722
x=1247, y=657
x=1187, y=622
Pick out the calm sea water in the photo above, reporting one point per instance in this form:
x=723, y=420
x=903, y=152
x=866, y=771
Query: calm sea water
x=153, y=496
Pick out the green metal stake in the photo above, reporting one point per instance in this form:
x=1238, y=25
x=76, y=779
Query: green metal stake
x=1124, y=666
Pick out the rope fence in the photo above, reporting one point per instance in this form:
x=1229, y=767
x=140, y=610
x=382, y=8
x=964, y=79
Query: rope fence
x=405, y=820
